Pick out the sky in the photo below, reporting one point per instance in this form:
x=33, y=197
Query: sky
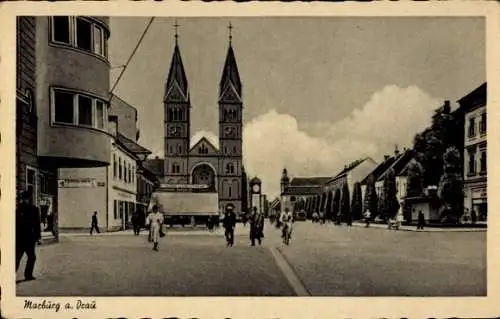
x=318, y=92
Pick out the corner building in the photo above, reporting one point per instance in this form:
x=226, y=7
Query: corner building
x=220, y=167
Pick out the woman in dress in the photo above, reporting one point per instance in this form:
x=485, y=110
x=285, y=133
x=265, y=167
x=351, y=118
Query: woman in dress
x=155, y=222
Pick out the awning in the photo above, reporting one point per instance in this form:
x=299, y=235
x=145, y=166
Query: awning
x=186, y=203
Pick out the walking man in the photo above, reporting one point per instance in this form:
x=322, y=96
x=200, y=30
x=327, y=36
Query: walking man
x=256, y=226
x=94, y=224
x=421, y=220
x=28, y=233
x=368, y=215
x=229, y=222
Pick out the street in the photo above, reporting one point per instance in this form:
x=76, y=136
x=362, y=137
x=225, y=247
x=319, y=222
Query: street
x=322, y=260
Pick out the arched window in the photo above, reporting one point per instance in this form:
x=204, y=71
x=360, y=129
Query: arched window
x=179, y=148
x=181, y=115
x=176, y=168
x=229, y=168
x=229, y=191
x=170, y=115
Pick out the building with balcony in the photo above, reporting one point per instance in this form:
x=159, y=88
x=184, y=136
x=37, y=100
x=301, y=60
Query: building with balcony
x=473, y=106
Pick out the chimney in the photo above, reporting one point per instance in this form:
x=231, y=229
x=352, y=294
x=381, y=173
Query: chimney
x=386, y=157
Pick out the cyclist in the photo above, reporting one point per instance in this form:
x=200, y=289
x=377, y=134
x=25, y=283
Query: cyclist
x=286, y=219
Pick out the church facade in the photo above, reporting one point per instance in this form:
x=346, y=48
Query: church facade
x=220, y=167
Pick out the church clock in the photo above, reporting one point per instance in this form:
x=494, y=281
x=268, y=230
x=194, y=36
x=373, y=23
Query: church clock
x=229, y=131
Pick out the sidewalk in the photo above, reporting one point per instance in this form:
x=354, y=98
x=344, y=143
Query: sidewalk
x=426, y=229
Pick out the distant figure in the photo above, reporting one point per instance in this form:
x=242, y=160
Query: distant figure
x=28, y=233
x=367, y=216
x=193, y=222
x=136, y=224
x=315, y=217
x=155, y=222
x=421, y=220
x=322, y=218
x=94, y=224
x=473, y=216
x=256, y=226
x=399, y=221
x=229, y=222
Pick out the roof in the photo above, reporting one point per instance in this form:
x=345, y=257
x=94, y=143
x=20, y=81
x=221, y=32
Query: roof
x=399, y=165
x=132, y=146
x=379, y=170
x=156, y=166
x=348, y=168
x=475, y=98
x=206, y=140
x=255, y=180
x=303, y=190
x=176, y=74
x=309, y=181
x=230, y=74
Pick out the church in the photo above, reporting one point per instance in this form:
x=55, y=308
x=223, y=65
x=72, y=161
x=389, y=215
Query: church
x=220, y=167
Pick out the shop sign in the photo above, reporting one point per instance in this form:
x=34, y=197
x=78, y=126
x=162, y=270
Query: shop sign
x=77, y=183
x=479, y=193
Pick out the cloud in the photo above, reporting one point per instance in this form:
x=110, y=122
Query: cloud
x=392, y=116
x=273, y=141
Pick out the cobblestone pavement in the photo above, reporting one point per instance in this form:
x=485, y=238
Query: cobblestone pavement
x=321, y=260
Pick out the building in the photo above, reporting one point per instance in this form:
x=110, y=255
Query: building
x=114, y=188
x=127, y=117
x=351, y=174
x=473, y=106
x=300, y=193
x=219, y=166
x=399, y=166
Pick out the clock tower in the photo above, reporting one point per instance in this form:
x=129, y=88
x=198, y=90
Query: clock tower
x=256, y=194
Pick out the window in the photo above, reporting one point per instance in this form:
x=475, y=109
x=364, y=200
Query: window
x=229, y=168
x=78, y=109
x=115, y=209
x=472, y=127
x=119, y=168
x=31, y=183
x=176, y=168
x=63, y=107
x=483, y=161
x=133, y=174
x=81, y=33
x=229, y=191
x=99, y=107
x=84, y=110
x=61, y=29
x=482, y=124
x=472, y=162
x=115, y=167
x=125, y=179
x=129, y=173
x=98, y=41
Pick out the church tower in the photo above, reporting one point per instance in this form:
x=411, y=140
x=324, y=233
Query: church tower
x=177, y=108
x=230, y=132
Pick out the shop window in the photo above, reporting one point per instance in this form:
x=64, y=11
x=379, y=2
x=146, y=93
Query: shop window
x=61, y=29
x=483, y=162
x=472, y=127
x=84, y=110
x=63, y=107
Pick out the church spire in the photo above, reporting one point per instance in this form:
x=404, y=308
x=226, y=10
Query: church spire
x=230, y=75
x=177, y=80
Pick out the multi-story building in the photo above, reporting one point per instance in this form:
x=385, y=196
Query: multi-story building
x=475, y=154
x=72, y=87
x=127, y=117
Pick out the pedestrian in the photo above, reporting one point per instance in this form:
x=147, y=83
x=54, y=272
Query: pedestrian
x=94, y=224
x=367, y=216
x=399, y=221
x=155, y=222
x=136, y=224
x=229, y=222
x=421, y=220
x=473, y=216
x=28, y=233
x=256, y=226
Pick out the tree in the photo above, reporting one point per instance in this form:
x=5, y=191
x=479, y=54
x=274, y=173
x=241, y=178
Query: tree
x=336, y=205
x=371, y=198
x=450, y=189
x=345, y=206
x=357, y=202
x=389, y=204
x=415, y=178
